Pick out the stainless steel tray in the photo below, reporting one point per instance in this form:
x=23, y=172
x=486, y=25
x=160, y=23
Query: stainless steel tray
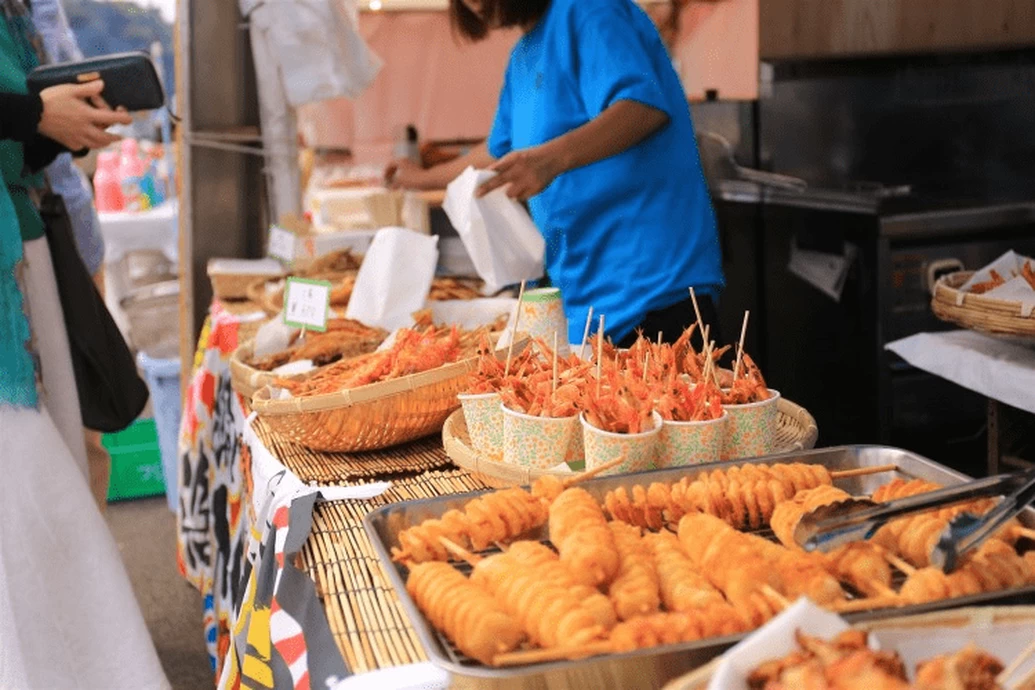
x=649, y=668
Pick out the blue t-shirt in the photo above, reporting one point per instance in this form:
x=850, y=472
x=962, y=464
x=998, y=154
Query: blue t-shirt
x=631, y=233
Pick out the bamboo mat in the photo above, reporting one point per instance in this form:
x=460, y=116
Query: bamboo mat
x=365, y=616
x=330, y=469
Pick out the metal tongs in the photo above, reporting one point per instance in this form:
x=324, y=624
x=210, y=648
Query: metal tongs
x=832, y=526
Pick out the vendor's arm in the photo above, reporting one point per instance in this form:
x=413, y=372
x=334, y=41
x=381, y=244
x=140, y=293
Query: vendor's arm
x=621, y=126
x=406, y=174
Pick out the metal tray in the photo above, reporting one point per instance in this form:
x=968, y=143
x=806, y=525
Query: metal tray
x=652, y=668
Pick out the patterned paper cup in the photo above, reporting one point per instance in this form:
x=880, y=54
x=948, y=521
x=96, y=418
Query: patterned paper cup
x=484, y=416
x=577, y=448
x=751, y=429
x=542, y=316
x=536, y=442
x=604, y=446
x=691, y=443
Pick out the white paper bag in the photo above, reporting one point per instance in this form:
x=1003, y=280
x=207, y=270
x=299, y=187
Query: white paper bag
x=501, y=238
x=395, y=278
x=1007, y=266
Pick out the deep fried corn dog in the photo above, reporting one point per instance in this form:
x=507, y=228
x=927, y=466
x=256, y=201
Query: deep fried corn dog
x=860, y=564
x=993, y=567
x=579, y=531
x=656, y=629
x=548, y=565
x=635, y=590
x=730, y=565
x=496, y=516
x=743, y=496
x=550, y=614
x=465, y=612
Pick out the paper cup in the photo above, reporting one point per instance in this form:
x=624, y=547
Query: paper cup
x=542, y=316
x=751, y=429
x=691, y=443
x=604, y=446
x=484, y=416
x=576, y=449
x=536, y=442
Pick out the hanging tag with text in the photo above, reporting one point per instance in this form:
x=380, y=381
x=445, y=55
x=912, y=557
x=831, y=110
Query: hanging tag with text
x=307, y=303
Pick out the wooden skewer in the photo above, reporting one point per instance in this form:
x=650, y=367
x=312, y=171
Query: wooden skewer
x=899, y=563
x=863, y=471
x=715, y=369
x=459, y=551
x=659, y=338
x=884, y=590
x=775, y=597
x=1027, y=682
x=600, y=351
x=554, y=362
x=539, y=656
x=1017, y=662
x=514, y=330
x=585, y=334
x=867, y=604
x=1025, y=532
x=589, y=474
x=646, y=363
x=740, y=346
x=697, y=313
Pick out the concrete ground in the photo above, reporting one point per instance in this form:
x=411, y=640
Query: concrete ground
x=145, y=531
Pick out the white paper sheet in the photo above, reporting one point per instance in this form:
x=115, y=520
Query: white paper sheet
x=501, y=239
x=425, y=676
x=395, y=278
x=773, y=640
x=997, y=369
x=1008, y=265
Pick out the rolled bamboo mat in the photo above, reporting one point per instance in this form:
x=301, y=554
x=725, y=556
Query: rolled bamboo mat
x=365, y=616
x=349, y=468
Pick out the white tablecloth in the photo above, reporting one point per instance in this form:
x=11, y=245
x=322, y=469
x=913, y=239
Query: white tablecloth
x=997, y=369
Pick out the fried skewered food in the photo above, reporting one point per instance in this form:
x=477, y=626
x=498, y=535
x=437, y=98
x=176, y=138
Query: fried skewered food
x=465, y=612
x=744, y=496
x=548, y=565
x=635, y=589
x=550, y=614
x=498, y=516
x=683, y=588
x=656, y=629
x=968, y=669
x=860, y=564
x=732, y=567
x=994, y=566
x=579, y=531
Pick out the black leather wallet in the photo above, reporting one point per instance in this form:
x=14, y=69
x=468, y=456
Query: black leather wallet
x=130, y=79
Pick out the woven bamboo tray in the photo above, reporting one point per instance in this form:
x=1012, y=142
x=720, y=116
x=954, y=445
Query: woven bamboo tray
x=379, y=415
x=978, y=312
x=797, y=430
x=976, y=616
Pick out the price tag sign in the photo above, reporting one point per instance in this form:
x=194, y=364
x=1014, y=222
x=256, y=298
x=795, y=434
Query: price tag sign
x=307, y=303
x=282, y=244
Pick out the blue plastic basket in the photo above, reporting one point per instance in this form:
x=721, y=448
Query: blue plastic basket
x=163, y=379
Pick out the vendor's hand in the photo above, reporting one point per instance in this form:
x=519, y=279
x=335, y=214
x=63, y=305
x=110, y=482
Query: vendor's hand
x=405, y=174
x=527, y=172
x=74, y=117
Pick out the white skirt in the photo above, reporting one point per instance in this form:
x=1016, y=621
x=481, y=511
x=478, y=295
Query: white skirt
x=68, y=615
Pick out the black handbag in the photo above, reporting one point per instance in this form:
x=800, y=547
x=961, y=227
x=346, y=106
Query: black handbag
x=111, y=393
x=130, y=79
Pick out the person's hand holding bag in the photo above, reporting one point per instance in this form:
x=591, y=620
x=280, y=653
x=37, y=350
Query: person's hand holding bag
x=75, y=116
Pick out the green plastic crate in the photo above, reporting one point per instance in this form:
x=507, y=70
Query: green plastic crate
x=136, y=462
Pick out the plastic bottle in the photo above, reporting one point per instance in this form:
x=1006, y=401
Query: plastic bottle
x=131, y=173
x=107, y=190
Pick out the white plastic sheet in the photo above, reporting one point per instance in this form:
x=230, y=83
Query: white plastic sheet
x=497, y=231
x=395, y=278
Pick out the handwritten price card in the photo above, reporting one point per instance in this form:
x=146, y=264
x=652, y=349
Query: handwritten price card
x=282, y=244
x=307, y=303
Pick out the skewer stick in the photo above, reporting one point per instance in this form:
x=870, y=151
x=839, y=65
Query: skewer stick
x=1017, y=662
x=899, y=563
x=589, y=474
x=459, y=551
x=715, y=369
x=697, y=313
x=646, y=363
x=1025, y=532
x=1025, y=682
x=659, y=338
x=600, y=352
x=863, y=471
x=539, y=656
x=868, y=604
x=740, y=346
x=513, y=331
x=585, y=334
x=554, y=362
x=884, y=591
x=775, y=597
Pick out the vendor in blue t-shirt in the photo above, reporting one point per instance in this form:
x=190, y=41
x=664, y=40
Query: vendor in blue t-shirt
x=593, y=129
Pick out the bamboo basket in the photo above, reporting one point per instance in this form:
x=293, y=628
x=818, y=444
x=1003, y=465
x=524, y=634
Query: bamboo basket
x=371, y=417
x=796, y=431
x=959, y=618
x=978, y=312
